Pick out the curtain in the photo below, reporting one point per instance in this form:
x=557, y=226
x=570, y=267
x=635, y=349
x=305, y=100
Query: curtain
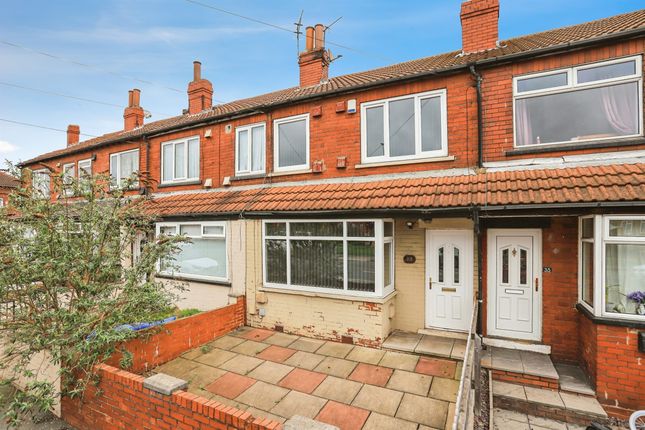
x=523, y=128
x=620, y=107
x=625, y=274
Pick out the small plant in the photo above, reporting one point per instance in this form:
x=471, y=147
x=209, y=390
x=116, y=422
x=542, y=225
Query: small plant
x=126, y=359
x=638, y=297
x=206, y=348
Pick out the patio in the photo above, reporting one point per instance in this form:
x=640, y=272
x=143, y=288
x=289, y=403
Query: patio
x=277, y=375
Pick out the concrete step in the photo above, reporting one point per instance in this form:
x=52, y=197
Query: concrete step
x=574, y=380
x=520, y=367
x=567, y=407
x=436, y=346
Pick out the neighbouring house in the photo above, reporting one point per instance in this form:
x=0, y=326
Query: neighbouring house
x=347, y=207
x=7, y=184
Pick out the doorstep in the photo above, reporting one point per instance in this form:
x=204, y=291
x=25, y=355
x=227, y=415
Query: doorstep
x=503, y=361
x=424, y=344
x=574, y=380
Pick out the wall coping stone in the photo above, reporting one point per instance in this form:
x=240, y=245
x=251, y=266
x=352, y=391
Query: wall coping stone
x=164, y=384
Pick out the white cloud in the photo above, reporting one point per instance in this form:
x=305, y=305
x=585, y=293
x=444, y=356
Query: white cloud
x=6, y=147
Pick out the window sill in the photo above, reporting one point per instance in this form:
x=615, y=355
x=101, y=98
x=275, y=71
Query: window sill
x=576, y=146
x=177, y=184
x=289, y=172
x=189, y=279
x=249, y=176
x=619, y=322
x=403, y=162
x=368, y=299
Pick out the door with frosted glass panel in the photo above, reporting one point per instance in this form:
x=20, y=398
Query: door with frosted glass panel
x=449, y=279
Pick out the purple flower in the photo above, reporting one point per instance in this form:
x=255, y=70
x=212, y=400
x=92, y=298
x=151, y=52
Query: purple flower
x=637, y=296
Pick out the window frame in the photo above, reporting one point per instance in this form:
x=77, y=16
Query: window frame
x=44, y=172
x=418, y=148
x=116, y=182
x=276, y=143
x=176, y=180
x=601, y=239
x=249, y=129
x=224, y=236
x=68, y=188
x=78, y=168
x=380, y=290
x=572, y=86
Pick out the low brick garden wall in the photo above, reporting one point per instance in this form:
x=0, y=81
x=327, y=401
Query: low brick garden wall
x=120, y=400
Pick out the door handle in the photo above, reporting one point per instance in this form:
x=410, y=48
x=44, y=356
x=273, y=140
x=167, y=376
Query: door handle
x=536, y=284
x=430, y=283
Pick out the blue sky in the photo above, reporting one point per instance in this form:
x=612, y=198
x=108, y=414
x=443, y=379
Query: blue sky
x=157, y=40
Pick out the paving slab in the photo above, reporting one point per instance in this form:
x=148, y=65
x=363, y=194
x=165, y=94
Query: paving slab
x=537, y=364
x=203, y=375
x=423, y=410
x=215, y=357
x=230, y=385
x=574, y=379
x=343, y=416
x=435, y=345
x=303, y=423
x=297, y=403
x=338, y=389
x=336, y=367
x=270, y=372
x=242, y=364
x=546, y=397
x=335, y=349
x=444, y=389
x=383, y=422
x=365, y=355
x=257, y=334
x=281, y=339
x=510, y=415
x=250, y=347
x=410, y=382
x=262, y=396
x=450, y=418
x=179, y=368
x=506, y=389
x=259, y=413
x=458, y=350
x=402, y=341
x=546, y=423
x=276, y=353
x=226, y=342
x=381, y=400
x=436, y=367
x=487, y=357
x=585, y=404
x=398, y=360
x=370, y=374
x=305, y=360
x=302, y=380
x=307, y=344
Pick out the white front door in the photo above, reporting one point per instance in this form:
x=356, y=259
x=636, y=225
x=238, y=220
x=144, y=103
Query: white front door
x=514, y=283
x=449, y=279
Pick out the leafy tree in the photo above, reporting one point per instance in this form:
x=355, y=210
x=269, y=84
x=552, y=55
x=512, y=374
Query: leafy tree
x=67, y=283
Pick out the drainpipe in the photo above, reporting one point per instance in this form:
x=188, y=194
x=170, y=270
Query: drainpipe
x=480, y=129
x=480, y=271
x=148, y=174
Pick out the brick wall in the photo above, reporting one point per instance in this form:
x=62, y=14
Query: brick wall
x=121, y=402
x=179, y=336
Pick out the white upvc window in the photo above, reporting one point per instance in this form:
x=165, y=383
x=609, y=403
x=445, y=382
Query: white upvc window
x=588, y=103
x=41, y=183
x=612, y=265
x=204, y=258
x=291, y=143
x=180, y=160
x=1, y=202
x=85, y=172
x=69, y=175
x=249, y=149
x=404, y=128
x=124, y=166
x=348, y=257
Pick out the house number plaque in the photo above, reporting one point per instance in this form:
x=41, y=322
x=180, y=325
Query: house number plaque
x=409, y=259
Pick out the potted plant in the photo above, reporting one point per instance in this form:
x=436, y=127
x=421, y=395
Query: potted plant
x=639, y=298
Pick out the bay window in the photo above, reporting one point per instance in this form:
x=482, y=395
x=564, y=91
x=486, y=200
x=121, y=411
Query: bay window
x=579, y=104
x=249, y=149
x=612, y=265
x=180, y=160
x=205, y=257
x=404, y=128
x=291, y=137
x=352, y=257
x=124, y=166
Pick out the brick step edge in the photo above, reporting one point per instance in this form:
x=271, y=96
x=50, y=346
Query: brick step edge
x=545, y=411
x=525, y=379
x=578, y=393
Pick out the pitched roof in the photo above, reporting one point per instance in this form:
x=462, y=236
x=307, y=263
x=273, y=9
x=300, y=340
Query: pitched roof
x=8, y=181
x=561, y=37
x=589, y=184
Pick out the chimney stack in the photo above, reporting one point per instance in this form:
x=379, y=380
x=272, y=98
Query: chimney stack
x=314, y=61
x=200, y=91
x=73, y=134
x=133, y=114
x=479, y=25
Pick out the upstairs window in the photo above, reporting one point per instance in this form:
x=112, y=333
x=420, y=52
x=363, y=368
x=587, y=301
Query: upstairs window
x=180, y=160
x=69, y=174
x=291, y=143
x=404, y=128
x=41, y=183
x=249, y=149
x=85, y=172
x=124, y=166
x=579, y=104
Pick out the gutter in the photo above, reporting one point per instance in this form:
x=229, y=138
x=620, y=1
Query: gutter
x=569, y=46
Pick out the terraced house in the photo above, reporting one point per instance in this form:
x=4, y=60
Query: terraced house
x=507, y=175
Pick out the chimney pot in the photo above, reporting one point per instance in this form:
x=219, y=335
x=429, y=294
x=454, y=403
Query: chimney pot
x=479, y=25
x=314, y=61
x=197, y=70
x=73, y=134
x=130, y=98
x=136, y=97
x=309, y=33
x=319, y=43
